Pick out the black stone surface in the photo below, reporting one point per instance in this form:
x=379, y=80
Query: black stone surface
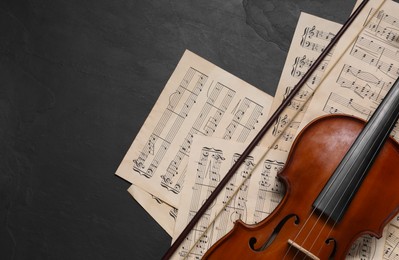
x=77, y=80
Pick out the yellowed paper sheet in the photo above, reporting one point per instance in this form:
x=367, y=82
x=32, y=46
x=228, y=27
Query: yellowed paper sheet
x=362, y=77
x=255, y=198
x=164, y=214
x=293, y=112
x=391, y=243
x=311, y=36
x=199, y=98
x=364, y=248
x=358, y=83
x=250, y=200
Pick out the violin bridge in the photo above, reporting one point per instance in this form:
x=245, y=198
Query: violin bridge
x=303, y=250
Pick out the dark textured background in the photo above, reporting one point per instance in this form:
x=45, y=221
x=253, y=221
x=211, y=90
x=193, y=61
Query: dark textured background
x=77, y=80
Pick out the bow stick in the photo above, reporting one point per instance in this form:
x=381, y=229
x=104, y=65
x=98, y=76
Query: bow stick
x=261, y=133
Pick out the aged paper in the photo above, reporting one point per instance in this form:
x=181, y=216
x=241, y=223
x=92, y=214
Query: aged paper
x=251, y=195
x=357, y=84
x=316, y=32
x=199, y=98
x=164, y=214
x=364, y=248
x=293, y=113
x=361, y=78
x=311, y=36
x=391, y=244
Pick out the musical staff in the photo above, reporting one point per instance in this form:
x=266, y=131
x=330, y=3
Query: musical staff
x=180, y=103
x=363, y=83
x=311, y=33
x=391, y=246
x=206, y=123
x=270, y=191
x=212, y=158
x=246, y=116
x=310, y=37
x=338, y=104
x=207, y=177
x=199, y=99
x=363, y=248
x=385, y=27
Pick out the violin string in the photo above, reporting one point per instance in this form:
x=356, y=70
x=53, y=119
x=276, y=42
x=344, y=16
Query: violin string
x=277, y=137
x=326, y=75
x=357, y=184
x=348, y=200
x=229, y=200
x=250, y=172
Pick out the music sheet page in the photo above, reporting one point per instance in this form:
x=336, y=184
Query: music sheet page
x=164, y=214
x=364, y=248
x=390, y=245
x=199, y=98
x=250, y=195
x=357, y=84
x=311, y=36
x=361, y=78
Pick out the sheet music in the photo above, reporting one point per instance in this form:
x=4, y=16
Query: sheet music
x=360, y=80
x=311, y=36
x=357, y=84
x=254, y=200
x=164, y=214
x=364, y=248
x=317, y=32
x=211, y=159
x=199, y=98
x=391, y=245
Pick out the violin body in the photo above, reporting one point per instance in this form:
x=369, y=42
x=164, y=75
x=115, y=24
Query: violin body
x=295, y=229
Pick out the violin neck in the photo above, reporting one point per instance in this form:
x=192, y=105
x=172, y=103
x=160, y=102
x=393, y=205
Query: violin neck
x=347, y=178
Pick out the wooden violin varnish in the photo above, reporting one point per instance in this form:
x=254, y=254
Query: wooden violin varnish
x=350, y=172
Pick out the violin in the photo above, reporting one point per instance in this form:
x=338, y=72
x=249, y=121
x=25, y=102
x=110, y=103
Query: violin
x=341, y=180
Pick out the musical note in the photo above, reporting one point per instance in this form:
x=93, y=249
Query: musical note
x=311, y=36
x=180, y=103
x=391, y=247
x=211, y=158
x=363, y=248
x=311, y=33
x=270, y=191
x=363, y=83
x=357, y=84
x=199, y=99
x=337, y=104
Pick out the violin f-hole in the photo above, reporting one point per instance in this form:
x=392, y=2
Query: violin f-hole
x=276, y=231
x=332, y=240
